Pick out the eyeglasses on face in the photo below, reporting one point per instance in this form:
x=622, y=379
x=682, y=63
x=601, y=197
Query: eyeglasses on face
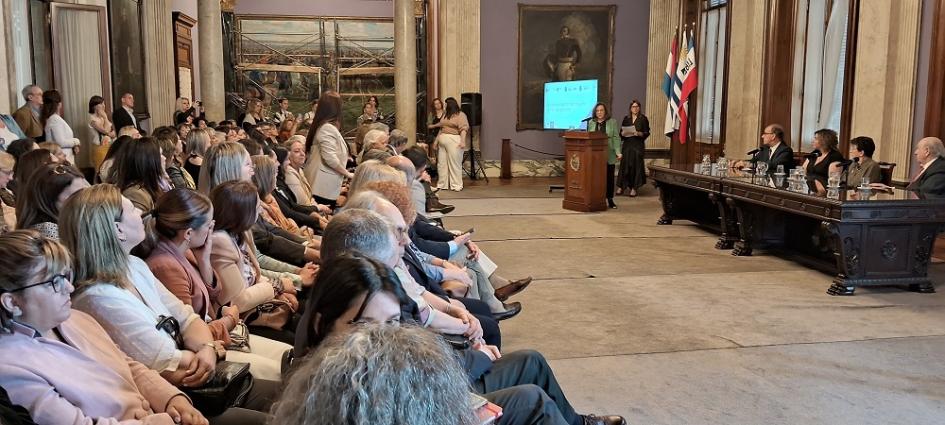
x=58, y=282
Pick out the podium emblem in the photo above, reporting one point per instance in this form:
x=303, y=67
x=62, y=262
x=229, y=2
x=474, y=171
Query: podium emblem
x=575, y=162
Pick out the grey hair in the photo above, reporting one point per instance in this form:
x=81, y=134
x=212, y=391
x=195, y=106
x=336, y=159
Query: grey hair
x=397, y=138
x=378, y=374
x=373, y=170
x=358, y=230
x=380, y=126
x=935, y=146
x=26, y=91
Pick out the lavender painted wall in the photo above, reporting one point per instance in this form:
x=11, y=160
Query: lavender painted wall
x=189, y=8
x=498, y=78
x=358, y=8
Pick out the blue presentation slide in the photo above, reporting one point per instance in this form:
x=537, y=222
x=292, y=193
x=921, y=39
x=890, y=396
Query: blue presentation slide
x=569, y=102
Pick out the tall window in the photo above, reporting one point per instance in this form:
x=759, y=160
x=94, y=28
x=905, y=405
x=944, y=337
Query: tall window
x=820, y=48
x=711, y=68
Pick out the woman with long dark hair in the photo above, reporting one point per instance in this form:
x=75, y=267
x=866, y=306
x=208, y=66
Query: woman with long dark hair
x=48, y=190
x=57, y=129
x=634, y=130
x=139, y=173
x=453, y=128
x=327, y=151
x=103, y=131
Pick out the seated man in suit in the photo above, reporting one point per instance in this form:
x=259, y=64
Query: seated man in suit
x=775, y=151
x=27, y=117
x=930, y=181
x=124, y=116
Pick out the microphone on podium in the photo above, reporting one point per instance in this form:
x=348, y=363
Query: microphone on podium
x=587, y=119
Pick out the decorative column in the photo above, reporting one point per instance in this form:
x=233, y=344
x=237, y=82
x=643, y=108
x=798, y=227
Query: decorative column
x=885, y=81
x=745, y=77
x=664, y=18
x=459, y=45
x=210, y=45
x=405, y=69
x=159, y=39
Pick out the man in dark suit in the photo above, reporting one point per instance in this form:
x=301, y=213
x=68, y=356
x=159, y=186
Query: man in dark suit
x=775, y=151
x=930, y=180
x=124, y=115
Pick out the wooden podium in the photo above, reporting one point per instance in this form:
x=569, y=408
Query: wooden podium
x=585, y=165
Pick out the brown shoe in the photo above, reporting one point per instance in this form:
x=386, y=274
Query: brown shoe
x=604, y=420
x=512, y=288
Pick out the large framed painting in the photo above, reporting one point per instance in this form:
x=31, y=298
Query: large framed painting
x=562, y=43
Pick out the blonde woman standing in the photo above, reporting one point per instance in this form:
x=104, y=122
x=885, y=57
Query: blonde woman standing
x=454, y=126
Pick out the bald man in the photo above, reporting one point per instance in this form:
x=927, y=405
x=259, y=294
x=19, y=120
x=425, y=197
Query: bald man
x=930, y=181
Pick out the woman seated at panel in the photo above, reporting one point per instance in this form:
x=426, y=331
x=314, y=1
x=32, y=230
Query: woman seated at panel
x=825, y=154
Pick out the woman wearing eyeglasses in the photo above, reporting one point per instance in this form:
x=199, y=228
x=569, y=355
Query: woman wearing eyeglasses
x=47, y=190
x=60, y=364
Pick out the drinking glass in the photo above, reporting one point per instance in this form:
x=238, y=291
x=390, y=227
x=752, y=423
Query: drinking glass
x=780, y=169
x=865, y=182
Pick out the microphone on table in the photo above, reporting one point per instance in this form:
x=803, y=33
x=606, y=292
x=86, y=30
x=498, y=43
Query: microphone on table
x=812, y=155
x=846, y=162
x=753, y=152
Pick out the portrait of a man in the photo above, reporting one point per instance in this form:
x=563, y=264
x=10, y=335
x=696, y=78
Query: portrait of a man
x=561, y=43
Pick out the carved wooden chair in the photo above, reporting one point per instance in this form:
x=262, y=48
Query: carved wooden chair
x=886, y=172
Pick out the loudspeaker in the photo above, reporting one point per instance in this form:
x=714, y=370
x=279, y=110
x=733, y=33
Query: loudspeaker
x=471, y=104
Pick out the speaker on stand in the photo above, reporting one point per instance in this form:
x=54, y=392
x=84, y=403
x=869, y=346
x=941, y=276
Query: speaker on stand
x=471, y=104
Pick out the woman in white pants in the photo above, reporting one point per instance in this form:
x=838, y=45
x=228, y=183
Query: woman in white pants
x=452, y=142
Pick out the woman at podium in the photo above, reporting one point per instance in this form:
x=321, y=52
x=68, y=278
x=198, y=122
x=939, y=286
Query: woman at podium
x=603, y=122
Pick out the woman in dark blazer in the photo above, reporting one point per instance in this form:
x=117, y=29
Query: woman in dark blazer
x=635, y=128
x=818, y=167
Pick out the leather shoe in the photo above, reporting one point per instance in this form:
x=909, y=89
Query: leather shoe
x=604, y=420
x=512, y=288
x=443, y=209
x=611, y=204
x=511, y=310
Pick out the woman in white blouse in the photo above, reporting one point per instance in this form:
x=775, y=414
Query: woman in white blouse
x=101, y=227
x=328, y=151
x=294, y=172
x=57, y=129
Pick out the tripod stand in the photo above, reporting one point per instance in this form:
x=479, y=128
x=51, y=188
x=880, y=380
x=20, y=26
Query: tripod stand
x=475, y=159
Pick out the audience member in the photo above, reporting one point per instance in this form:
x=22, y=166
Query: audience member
x=375, y=147
x=102, y=130
x=60, y=364
x=187, y=113
x=287, y=129
x=294, y=178
x=56, y=151
x=124, y=116
x=327, y=151
x=139, y=173
x=397, y=142
x=453, y=128
x=398, y=367
x=20, y=146
x=283, y=114
x=425, y=200
x=223, y=162
x=172, y=148
x=436, y=114
x=7, y=199
x=130, y=131
x=28, y=164
x=50, y=187
x=371, y=171
x=104, y=171
x=520, y=381
x=268, y=306
x=198, y=141
x=305, y=215
x=184, y=129
x=265, y=180
x=252, y=115
x=28, y=115
x=179, y=247
x=57, y=129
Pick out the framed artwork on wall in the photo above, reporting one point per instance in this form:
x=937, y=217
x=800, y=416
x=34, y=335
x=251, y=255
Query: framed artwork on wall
x=562, y=43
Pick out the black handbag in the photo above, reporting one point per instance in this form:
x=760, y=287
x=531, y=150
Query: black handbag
x=228, y=387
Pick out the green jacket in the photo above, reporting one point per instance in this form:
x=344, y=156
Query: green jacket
x=614, y=144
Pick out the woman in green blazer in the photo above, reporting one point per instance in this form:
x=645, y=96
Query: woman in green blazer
x=604, y=122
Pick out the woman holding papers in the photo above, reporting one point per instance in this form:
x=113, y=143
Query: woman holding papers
x=633, y=131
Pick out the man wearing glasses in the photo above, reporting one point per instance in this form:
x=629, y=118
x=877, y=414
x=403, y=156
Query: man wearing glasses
x=774, y=151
